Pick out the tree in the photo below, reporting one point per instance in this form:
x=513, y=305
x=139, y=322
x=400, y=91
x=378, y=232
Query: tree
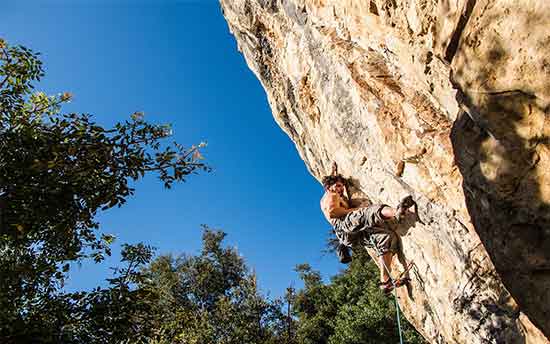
x=121, y=313
x=56, y=172
x=213, y=298
x=350, y=309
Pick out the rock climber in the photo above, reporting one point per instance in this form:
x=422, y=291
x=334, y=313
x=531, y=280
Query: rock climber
x=364, y=226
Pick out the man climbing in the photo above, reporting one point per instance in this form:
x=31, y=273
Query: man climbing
x=364, y=225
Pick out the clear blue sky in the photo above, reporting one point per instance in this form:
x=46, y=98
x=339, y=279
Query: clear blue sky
x=177, y=62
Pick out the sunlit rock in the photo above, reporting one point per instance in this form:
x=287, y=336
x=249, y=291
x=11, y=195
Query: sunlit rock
x=454, y=96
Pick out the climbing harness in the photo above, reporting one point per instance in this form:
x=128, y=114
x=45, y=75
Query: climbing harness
x=393, y=282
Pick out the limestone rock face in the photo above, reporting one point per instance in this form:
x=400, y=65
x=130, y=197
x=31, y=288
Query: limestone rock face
x=446, y=100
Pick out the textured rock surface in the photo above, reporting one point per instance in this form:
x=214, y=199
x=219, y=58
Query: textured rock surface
x=459, y=91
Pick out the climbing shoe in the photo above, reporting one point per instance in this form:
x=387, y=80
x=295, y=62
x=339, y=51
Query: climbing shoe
x=403, y=206
x=402, y=281
x=386, y=287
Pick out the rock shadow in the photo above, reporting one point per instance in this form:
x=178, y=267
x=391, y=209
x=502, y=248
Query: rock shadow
x=499, y=147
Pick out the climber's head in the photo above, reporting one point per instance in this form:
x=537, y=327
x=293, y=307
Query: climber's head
x=334, y=183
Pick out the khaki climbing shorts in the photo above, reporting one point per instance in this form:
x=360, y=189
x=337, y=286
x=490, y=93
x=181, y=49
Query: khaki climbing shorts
x=367, y=227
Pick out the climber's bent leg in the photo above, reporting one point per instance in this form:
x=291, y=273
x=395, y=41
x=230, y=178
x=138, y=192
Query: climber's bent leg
x=387, y=212
x=371, y=216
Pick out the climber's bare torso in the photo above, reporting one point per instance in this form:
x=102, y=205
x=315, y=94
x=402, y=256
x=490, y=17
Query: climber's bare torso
x=333, y=203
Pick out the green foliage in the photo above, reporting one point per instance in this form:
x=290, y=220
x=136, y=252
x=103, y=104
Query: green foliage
x=56, y=172
x=212, y=298
x=120, y=313
x=349, y=310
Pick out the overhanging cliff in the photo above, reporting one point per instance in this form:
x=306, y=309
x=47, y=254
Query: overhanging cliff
x=447, y=100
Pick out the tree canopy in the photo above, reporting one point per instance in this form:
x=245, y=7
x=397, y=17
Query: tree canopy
x=213, y=298
x=348, y=310
x=56, y=172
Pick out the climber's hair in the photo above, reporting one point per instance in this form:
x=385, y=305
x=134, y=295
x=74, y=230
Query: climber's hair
x=330, y=180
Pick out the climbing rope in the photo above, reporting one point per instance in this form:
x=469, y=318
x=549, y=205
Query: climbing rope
x=394, y=292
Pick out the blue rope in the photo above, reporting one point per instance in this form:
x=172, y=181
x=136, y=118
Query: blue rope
x=394, y=292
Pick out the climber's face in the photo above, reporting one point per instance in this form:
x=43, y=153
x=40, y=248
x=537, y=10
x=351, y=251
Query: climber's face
x=337, y=187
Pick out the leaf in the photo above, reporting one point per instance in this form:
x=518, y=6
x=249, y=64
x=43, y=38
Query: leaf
x=108, y=238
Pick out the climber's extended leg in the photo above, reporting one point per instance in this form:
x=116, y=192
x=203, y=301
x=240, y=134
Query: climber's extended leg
x=384, y=262
x=384, y=242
